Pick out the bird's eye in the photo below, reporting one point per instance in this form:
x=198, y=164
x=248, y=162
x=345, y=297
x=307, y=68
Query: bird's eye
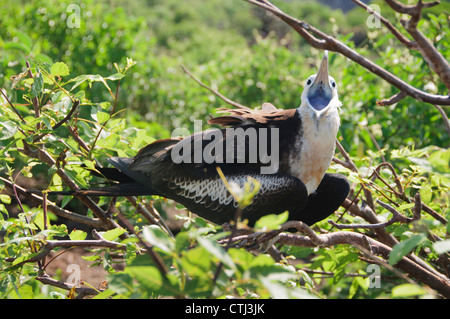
x=333, y=84
x=308, y=82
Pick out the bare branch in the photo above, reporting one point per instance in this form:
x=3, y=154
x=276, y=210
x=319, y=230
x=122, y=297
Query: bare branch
x=348, y=161
x=393, y=99
x=437, y=282
x=321, y=40
x=12, y=106
x=45, y=157
x=68, y=116
x=431, y=55
x=54, y=208
x=444, y=116
x=81, y=291
x=408, y=43
x=215, y=92
x=409, y=9
x=395, y=218
x=417, y=206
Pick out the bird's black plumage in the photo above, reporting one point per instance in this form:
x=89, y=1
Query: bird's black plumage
x=301, y=143
x=199, y=188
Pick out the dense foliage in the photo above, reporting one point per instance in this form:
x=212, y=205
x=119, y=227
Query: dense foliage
x=123, y=66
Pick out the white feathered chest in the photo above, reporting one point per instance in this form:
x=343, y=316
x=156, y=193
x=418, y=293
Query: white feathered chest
x=317, y=143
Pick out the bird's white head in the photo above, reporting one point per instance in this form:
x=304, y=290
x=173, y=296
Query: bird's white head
x=320, y=93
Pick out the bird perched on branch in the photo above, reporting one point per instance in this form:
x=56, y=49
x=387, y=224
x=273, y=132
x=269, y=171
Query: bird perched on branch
x=286, y=151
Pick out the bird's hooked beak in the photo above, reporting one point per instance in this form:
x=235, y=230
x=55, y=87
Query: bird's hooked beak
x=320, y=94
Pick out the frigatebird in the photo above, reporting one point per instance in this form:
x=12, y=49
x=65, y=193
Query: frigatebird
x=301, y=143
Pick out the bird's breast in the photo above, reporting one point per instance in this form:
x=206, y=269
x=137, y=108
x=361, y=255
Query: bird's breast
x=314, y=148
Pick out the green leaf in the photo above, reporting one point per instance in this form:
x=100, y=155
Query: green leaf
x=90, y=78
x=17, y=46
x=77, y=235
x=404, y=248
x=196, y=262
x=59, y=69
x=5, y=199
x=7, y=129
x=279, y=291
x=407, y=290
x=442, y=246
x=24, y=39
x=216, y=250
x=76, y=177
x=47, y=122
x=102, y=117
x=182, y=242
x=272, y=221
x=38, y=85
x=152, y=281
x=113, y=234
x=39, y=220
x=155, y=236
x=115, y=77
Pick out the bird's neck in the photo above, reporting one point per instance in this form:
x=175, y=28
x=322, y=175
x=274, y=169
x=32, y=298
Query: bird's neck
x=328, y=117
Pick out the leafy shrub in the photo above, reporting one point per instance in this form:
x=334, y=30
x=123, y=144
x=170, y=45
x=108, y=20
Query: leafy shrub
x=90, y=111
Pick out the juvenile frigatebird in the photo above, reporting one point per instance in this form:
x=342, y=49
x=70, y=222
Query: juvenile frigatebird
x=301, y=141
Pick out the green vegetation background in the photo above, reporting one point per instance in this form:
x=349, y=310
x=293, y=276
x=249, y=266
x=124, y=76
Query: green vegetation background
x=248, y=55
x=251, y=58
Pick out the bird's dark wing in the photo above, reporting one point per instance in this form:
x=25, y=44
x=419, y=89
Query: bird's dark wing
x=196, y=184
x=201, y=190
x=179, y=169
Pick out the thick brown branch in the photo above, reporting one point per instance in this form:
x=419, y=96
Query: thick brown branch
x=409, y=9
x=439, y=283
x=81, y=291
x=321, y=40
x=431, y=55
x=396, y=218
x=408, y=43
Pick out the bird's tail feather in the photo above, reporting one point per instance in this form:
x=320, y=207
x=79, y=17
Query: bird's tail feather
x=123, y=181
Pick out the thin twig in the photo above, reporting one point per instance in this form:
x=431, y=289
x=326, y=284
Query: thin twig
x=153, y=255
x=93, y=222
x=348, y=161
x=215, y=92
x=68, y=116
x=417, y=206
x=395, y=218
x=393, y=99
x=45, y=157
x=434, y=59
x=408, y=43
x=444, y=117
x=12, y=106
